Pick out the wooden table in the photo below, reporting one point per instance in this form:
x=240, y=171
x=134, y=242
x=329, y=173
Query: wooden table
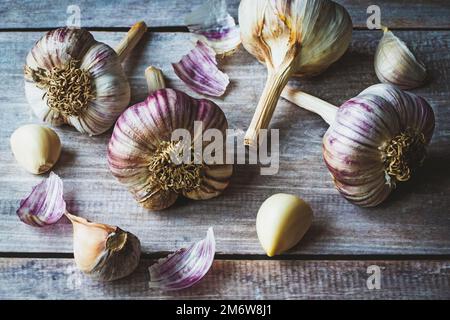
x=407, y=237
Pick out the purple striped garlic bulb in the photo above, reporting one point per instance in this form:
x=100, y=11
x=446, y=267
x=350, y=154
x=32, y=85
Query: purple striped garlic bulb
x=141, y=148
x=375, y=139
x=70, y=78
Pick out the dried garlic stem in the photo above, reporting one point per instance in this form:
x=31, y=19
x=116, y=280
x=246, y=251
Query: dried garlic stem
x=276, y=81
x=131, y=39
x=306, y=101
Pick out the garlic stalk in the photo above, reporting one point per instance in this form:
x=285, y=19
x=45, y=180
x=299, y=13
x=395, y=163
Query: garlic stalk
x=298, y=37
x=104, y=252
x=140, y=152
x=70, y=78
x=396, y=64
x=374, y=141
x=36, y=148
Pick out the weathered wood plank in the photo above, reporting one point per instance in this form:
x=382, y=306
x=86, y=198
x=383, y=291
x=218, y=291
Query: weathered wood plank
x=415, y=220
x=164, y=13
x=234, y=279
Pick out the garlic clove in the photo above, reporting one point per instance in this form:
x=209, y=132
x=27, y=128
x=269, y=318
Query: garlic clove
x=155, y=79
x=36, y=148
x=282, y=221
x=396, y=64
x=104, y=252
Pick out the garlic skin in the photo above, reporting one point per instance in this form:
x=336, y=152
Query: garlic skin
x=396, y=64
x=104, y=252
x=141, y=142
x=282, y=221
x=375, y=140
x=298, y=37
x=36, y=148
x=70, y=78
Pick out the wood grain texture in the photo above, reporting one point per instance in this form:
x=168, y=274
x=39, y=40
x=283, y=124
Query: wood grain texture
x=169, y=13
x=234, y=279
x=415, y=220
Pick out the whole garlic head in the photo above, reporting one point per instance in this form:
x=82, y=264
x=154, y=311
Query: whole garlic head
x=298, y=37
x=140, y=149
x=35, y=147
x=70, y=78
x=104, y=252
x=396, y=64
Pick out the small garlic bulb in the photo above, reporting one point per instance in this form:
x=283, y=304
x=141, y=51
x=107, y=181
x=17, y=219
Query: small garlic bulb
x=396, y=64
x=104, y=252
x=35, y=147
x=70, y=78
x=298, y=37
x=140, y=150
x=374, y=141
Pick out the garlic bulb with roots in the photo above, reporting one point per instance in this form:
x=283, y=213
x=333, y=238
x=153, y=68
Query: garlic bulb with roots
x=104, y=252
x=375, y=139
x=70, y=78
x=298, y=37
x=141, y=150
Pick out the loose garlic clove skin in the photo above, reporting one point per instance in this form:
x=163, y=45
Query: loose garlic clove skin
x=35, y=147
x=104, y=252
x=396, y=64
x=281, y=223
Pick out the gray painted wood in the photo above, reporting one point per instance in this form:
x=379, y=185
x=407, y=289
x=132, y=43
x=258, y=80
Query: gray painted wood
x=415, y=220
x=234, y=279
x=169, y=13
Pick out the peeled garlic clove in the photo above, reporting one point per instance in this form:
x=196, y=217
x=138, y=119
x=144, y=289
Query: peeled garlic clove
x=45, y=204
x=281, y=223
x=36, y=148
x=104, y=252
x=396, y=64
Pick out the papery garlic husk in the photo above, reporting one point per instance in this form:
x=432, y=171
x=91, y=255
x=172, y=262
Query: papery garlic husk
x=396, y=64
x=45, y=204
x=298, y=37
x=36, y=148
x=212, y=24
x=104, y=252
x=138, y=152
x=185, y=267
x=70, y=78
x=375, y=140
x=198, y=70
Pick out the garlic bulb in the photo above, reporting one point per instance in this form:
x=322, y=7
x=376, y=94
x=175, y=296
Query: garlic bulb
x=35, y=147
x=140, y=150
x=70, y=78
x=104, y=252
x=396, y=64
x=298, y=37
x=281, y=223
x=375, y=140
